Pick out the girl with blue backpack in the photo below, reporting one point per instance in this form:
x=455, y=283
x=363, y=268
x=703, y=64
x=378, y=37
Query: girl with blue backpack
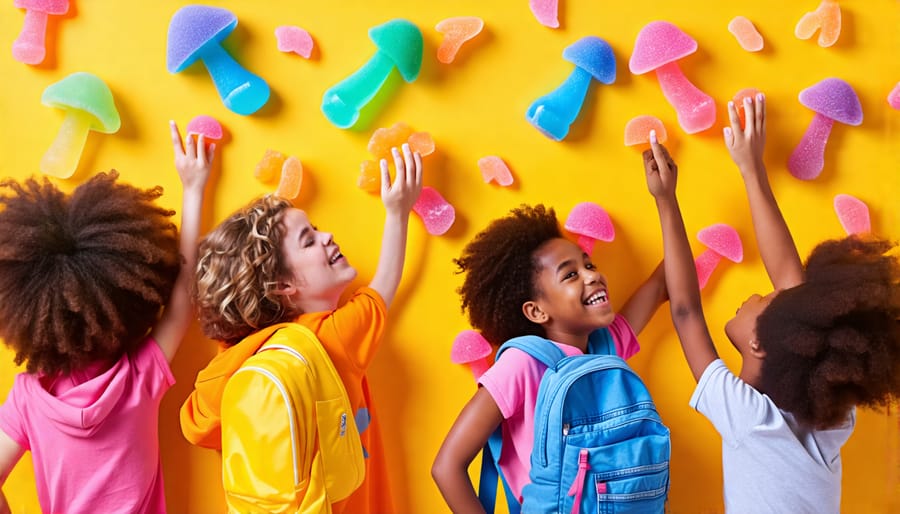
x=524, y=281
x=825, y=340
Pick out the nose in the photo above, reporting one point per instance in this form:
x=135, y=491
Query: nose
x=592, y=276
x=326, y=237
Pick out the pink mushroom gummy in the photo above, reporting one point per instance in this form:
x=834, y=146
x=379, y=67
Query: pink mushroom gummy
x=206, y=125
x=721, y=241
x=659, y=46
x=546, y=12
x=590, y=223
x=853, y=214
x=637, y=130
x=494, y=169
x=437, y=215
x=29, y=47
x=456, y=31
x=746, y=34
x=294, y=39
x=470, y=347
x=832, y=100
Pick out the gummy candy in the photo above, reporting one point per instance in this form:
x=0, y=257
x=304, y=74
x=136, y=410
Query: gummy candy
x=493, y=168
x=721, y=241
x=456, y=31
x=421, y=142
x=746, y=34
x=546, y=12
x=294, y=39
x=291, y=178
x=826, y=18
x=436, y=213
x=590, y=223
x=853, y=214
x=470, y=347
x=383, y=139
x=637, y=130
x=369, y=177
x=270, y=166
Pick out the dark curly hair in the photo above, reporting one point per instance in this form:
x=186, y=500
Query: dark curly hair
x=833, y=341
x=83, y=277
x=239, y=265
x=500, y=272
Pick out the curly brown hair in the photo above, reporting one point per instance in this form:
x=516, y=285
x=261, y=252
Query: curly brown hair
x=833, y=341
x=83, y=277
x=238, y=270
x=501, y=272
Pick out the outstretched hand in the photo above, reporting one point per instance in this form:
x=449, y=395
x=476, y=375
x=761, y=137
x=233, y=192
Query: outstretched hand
x=746, y=144
x=661, y=170
x=193, y=159
x=401, y=194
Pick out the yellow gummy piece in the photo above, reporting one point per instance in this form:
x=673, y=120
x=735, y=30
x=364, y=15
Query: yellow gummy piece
x=421, y=142
x=369, y=177
x=456, y=31
x=270, y=166
x=746, y=34
x=291, y=178
x=637, y=130
x=384, y=139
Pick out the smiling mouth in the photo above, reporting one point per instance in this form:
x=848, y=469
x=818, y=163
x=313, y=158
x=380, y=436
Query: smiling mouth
x=334, y=258
x=597, y=298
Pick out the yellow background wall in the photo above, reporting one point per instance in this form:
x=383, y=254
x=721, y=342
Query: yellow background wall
x=473, y=108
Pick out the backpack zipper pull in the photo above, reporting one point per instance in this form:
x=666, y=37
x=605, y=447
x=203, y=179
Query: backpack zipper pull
x=578, y=484
x=565, y=429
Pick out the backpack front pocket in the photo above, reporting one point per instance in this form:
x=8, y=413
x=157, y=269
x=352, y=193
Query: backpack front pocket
x=340, y=448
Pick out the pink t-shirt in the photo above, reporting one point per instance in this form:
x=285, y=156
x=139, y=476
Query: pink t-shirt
x=513, y=383
x=93, y=434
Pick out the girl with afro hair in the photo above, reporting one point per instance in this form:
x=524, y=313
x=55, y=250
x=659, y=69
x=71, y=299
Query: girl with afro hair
x=524, y=278
x=827, y=339
x=94, y=301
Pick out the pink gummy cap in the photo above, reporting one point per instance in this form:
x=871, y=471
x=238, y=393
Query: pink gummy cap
x=469, y=346
x=206, y=125
x=546, y=12
x=853, y=214
x=723, y=240
x=835, y=99
x=591, y=220
x=658, y=43
x=44, y=6
x=294, y=39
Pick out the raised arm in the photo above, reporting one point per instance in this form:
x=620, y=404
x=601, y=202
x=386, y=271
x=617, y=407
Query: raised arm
x=450, y=471
x=646, y=299
x=399, y=198
x=776, y=246
x=193, y=162
x=10, y=453
x=681, y=276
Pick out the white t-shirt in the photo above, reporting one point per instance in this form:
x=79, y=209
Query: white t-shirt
x=770, y=464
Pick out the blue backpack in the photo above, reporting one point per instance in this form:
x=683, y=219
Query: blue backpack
x=599, y=444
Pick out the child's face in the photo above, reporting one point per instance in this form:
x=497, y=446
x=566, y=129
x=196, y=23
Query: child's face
x=571, y=292
x=741, y=329
x=318, y=269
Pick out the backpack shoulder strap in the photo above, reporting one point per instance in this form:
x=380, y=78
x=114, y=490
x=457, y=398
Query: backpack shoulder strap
x=537, y=347
x=490, y=473
x=600, y=342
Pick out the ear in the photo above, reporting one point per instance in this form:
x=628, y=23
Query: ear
x=534, y=313
x=286, y=288
x=756, y=350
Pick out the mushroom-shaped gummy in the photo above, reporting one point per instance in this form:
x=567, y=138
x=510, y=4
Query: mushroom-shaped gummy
x=89, y=105
x=208, y=126
x=590, y=223
x=832, y=100
x=721, y=241
x=659, y=46
x=196, y=33
x=470, y=347
x=30, y=47
x=555, y=112
x=399, y=44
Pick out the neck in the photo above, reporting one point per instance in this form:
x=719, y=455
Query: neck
x=579, y=341
x=750, y=371
x=317, y=304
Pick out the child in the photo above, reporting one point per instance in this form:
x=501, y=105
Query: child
x=827, y=339
x=84, y=277
x=268, y=264
x=524, y=278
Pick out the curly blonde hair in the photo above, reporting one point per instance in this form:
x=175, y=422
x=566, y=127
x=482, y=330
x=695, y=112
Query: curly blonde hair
x=238, y=270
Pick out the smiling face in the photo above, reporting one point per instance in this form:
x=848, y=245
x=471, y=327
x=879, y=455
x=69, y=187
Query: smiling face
x=572, y=298
x=319, y=272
